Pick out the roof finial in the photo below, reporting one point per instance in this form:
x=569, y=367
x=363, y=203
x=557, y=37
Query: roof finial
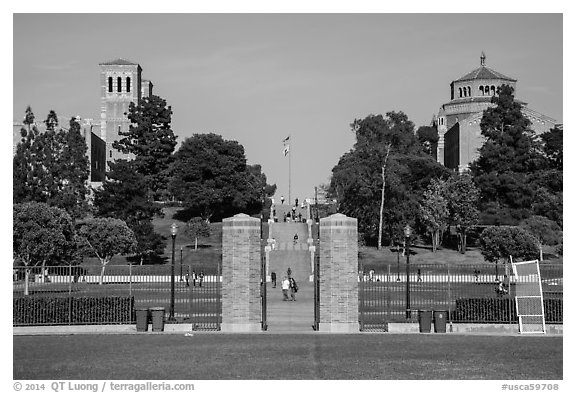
x=482, y=59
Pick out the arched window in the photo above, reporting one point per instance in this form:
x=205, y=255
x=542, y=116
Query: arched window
x=119, y=129
x=481, y=88
x=460, y=91
x=109, y=84
x=493, y=90
x=119, y=84
x=128, y=84
x=469, y=91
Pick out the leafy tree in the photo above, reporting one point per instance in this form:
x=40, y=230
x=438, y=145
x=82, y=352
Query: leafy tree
x=428, y=138
x=553, y=147
x=382, y=179
x=41, y=234
x=124, y=195
x=546, y=231
x=509, y=159
x=105, y=238
x=499, y=243
x=434, y=211
x=151, y=141
x=51, y=166
x=195, y=228
x=463, y=197
x=212, y=179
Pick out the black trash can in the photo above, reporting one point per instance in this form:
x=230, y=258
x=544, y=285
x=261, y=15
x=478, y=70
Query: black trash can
x=440, y=318
x=157, y=319
x=141, y=319
x=425, y=320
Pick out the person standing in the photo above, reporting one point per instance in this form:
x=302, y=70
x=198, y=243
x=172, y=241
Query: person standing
x=194, y=278
x=273, y=277
x=200, y=277
x=285, y=288
x=289, y=272
x=282, y=199
x=293, y=289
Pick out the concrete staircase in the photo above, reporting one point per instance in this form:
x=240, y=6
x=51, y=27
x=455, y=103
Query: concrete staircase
x=290, y=253
x=289, y=316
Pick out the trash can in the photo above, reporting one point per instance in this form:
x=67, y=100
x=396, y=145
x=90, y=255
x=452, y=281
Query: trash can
x=141, y=319
x=157, y=319
x=440, y=321
x=425, y=320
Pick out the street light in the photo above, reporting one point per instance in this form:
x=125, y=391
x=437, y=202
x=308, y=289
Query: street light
x=173, y=232
x=407, y=233
x=181, y=279
x=398, y=261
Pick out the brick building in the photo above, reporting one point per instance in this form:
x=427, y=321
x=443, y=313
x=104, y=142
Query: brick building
x=458, y=121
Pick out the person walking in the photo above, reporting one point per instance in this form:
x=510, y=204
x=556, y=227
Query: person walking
x=200, y=277
x=194, y=278
x=289, y=272
x=293, y=289
x=273, y=277
x=285, y=288
x=282, y=199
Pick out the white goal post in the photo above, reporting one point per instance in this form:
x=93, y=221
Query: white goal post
x=529, y=301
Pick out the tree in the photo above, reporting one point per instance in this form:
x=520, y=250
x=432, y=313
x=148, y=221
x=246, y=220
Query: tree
x=434, y=211
x=151, y=141
x=195, y=228
x=124, y=195
x=553, y=147
x=383, y=146
x=51, y=166
x=428, y=138
x=105, y=238
x=463, y=197
x=41, y=234
x=499, y=243
x=509, y=159
x=212, y=179
x=546, y=231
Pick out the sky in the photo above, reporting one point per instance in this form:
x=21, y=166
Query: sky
x=259, y=78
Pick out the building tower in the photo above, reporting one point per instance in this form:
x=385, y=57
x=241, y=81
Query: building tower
x=458, y=121
x=120, y=84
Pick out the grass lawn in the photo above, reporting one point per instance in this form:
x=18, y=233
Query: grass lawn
x=267, y=356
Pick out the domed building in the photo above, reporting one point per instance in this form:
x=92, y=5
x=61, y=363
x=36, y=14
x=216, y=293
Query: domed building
x=458, y=121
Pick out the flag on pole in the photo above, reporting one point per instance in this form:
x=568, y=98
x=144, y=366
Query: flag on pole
x=286, y=150
x=286, y=139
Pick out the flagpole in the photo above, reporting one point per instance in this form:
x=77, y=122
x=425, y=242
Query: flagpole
x=289, y=175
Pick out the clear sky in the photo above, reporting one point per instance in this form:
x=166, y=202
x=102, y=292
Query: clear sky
x=258, y=78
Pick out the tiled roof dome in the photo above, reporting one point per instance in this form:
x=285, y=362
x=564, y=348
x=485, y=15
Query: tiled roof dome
x=119, y=61
x=484, y=72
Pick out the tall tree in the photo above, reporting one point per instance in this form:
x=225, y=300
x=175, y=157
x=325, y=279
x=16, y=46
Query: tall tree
x=151, y=141
x=41, y=234
x=124, y=195
x=463, y=198
x=105, y=238
x=434, y=211
x=428, y=138
x=383, y=145
x=211, y=177
x=508, y=160
x=197, y=227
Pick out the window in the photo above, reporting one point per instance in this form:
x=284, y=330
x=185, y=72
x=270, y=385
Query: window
x=460, y=91
x=119, y=84
x=481, y=88
x=493, y=90
x=128, y=84
x=469, y=91
x=110, y=153
x=119, y=129
x=109, y=84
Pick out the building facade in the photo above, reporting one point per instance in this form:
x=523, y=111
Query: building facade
x=458, y=121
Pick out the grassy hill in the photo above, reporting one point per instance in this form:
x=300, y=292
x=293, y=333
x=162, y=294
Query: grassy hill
x=209, y=252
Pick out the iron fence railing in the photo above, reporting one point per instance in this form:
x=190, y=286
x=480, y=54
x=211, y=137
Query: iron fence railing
x=107, y=294
x=470, y=293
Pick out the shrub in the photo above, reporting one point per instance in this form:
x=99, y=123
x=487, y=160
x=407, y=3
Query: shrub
x=71, y=310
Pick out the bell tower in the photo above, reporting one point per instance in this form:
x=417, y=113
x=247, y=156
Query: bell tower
x=120, y=84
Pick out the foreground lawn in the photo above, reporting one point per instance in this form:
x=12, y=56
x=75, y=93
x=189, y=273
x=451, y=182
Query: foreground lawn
x=263, y=356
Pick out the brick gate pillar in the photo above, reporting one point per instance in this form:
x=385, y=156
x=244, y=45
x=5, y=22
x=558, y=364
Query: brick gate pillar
x=339, y=274
x=241, y=307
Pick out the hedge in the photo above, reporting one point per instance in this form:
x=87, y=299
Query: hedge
x=500, y=310
x=73, y=310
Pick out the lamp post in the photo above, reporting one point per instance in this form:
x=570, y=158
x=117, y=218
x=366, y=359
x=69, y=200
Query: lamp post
x=407, y=233
x=398, y=261
x=181, y=279
x=173, y=232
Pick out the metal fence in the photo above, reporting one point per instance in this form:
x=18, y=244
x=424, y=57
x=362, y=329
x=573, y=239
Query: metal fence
x=470, y=293
x=110, y=297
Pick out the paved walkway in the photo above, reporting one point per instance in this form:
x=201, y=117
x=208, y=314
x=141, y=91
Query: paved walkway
x=289, y=316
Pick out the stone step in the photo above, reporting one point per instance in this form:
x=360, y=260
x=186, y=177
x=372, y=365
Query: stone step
x=290, y=316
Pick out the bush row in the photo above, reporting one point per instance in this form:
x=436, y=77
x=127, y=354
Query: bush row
x=503, y=310
x=73, y=310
